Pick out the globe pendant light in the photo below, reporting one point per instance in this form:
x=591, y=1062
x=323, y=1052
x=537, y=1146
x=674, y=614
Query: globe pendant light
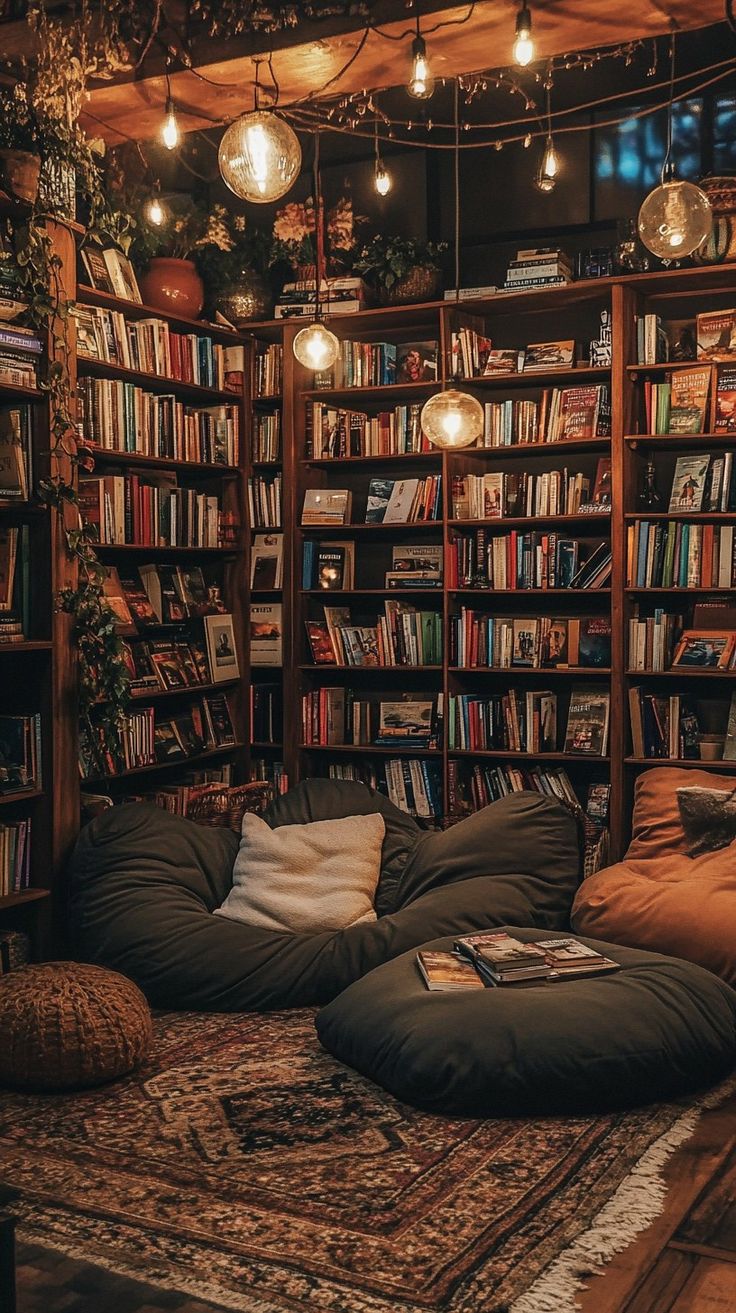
x=453, y=418
x=260, y=157
x=676, y=217
x=315, y=347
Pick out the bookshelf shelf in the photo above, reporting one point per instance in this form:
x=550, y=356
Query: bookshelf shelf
x=358, y=671
x=530, y=521
x=372, y=530
x=29, y=645
x=567, y=757
x=191, y=690
x=673, y=441
x=23, y=896
x=698, y=517
x=21, y=796
x=164, y=553
x=207, y=396
x=373, y=749
x=103, y=455
x=372, y=395
x=678, y=592
x=182, y=763
x=540, y=378
x=535, y=672
x=686, y=763
x=180, y=323
x=410, y=457
x=326, y=593
x=520, y=450
x=685, y=672
x=553, y=593
x=11, y=392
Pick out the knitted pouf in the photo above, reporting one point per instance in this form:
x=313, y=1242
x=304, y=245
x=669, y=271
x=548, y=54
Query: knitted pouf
x=64, y=1026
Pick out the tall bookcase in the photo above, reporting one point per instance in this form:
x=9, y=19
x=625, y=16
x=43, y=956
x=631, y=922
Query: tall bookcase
x=222, y=564
x=511, y=321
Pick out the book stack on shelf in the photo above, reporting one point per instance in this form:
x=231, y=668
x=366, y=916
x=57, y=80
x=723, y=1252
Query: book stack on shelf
x=534, y=267
x=345, y=294
x=20, y=353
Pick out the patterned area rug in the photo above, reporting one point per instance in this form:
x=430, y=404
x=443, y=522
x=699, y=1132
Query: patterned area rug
x=244, y=1165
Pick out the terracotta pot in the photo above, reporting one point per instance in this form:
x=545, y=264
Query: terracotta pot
x=20, y=173
x=247, y=298
x=174, y=286
x=421, y=284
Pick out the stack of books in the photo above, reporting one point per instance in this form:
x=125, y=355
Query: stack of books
x=344, y=295
x=495, y=958
x=334, y=432
x=20, y=351
x=527, y=560
x=679, y=554
x=555, y=492
x=20, y=753
x=269, y=370
x=152, y=347
x=119, y=416
x=264, y=502
x=15, y=856
x=543, y=266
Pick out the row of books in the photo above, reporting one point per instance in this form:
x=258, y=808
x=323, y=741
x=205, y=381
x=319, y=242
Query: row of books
x=20, y=753
x=664, y=727
x=679, y=403
x=402, y=636
x=333, y=432
x=174, y=798
x=174, y=664
x=554, y=492
x=152, y=347
x=145, y=595
x=150, y=511
x=270, y=771
x=266, y=713
x=679, y=554
x=544, y=266
x=489, y=783
x=15, y=856
x=20, y=353
x=118, y=416
x=474, y=356
x=334, y=717
x=527, y=722
x=16, y=466
x=417, y=792
x=652, y=640
x=264, y=501
x=266, y=437
x=377, y=364
x=529, y=642
x=15, y=582
x=703, y=483
x=514, y=560
x=561, y=415
x=711, y=336
x=269, y=370
x=147, y=740
x=389, y=501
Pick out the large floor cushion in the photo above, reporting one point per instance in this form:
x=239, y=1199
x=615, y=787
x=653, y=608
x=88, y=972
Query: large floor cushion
x=656, y=1029
x=144, y=885
x=659, y=897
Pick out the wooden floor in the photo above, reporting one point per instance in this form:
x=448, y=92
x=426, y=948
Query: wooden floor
x=684, y=1263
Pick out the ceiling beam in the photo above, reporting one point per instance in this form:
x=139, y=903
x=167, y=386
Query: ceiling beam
x=310, y=56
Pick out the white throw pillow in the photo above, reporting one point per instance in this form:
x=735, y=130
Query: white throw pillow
x=306, y=878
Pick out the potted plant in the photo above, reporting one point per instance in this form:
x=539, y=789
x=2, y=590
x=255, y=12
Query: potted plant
x=235, y=266
x=20, y=144
x=402, y=270
x=166, y=252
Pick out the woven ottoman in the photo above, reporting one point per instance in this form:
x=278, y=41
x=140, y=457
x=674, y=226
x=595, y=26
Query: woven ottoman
x=64, y=1025
x=656, y=1029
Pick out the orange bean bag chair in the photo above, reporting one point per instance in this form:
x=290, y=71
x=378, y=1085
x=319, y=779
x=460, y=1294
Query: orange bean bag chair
x=659, y=897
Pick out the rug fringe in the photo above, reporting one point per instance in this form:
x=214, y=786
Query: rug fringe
x=639, y=1200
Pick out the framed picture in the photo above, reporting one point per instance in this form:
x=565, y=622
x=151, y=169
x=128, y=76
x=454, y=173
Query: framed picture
x=221, y=649
x=122, y=277
x=704, y=649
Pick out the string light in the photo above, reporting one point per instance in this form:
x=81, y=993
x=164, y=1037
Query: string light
x=549, y=167
x=421, y=82
x=382, y=180
x=524, y=45
x=676, y=217
x=170, y=134
x=155, y=212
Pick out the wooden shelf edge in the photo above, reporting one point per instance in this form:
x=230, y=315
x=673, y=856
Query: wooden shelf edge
x=23, y=896
x=181, y=763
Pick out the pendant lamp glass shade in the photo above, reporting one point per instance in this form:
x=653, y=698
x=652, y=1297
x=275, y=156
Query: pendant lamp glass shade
x=260, y=157
x=452, y=419
x=674, y=219
x=316, y=347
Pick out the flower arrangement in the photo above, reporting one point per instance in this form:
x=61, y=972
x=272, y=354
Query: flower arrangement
x=386, y=261
x=295, y=234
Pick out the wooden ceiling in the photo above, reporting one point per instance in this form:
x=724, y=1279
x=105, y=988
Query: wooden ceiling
x=307, y=58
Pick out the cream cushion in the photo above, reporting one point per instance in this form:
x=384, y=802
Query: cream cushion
x=306, y=878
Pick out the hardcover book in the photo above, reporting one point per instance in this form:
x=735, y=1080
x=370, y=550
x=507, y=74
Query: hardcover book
x=689, y=390
x=326, y=506
x=549, y=355
x=266, y=567
x=587, y=722
x=688, y=483
x=406, y=722
x=416, y=362
x=705, y=649
x=503, y=362
x=323, y=653
x=725, y=418
x=715, y=331
x=447, y=971
x=14, y=437
x=266, y=631
x=400, y=501
x=379, y=495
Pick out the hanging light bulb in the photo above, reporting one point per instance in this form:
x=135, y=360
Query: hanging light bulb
x=523, y=45
x=676, y=217
x=155, y=212
x=421, y=82
x=382, y=180
x=170, y=134
x=260, y=156
x=316, y=347
x=549, y=167
x=452, y=419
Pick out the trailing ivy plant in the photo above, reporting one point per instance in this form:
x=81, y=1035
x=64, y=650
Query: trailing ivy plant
x=104, y=680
